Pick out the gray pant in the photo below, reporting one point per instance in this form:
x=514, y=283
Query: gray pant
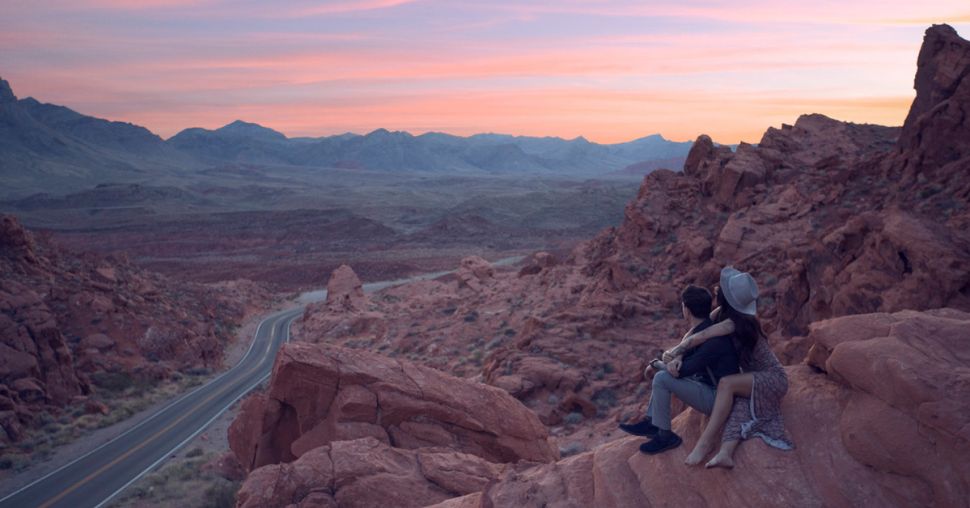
x=695, y=394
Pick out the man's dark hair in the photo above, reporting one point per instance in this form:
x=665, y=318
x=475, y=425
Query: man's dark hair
x=697, y=300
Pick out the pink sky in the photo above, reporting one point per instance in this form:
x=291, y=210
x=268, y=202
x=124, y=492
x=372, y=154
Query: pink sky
x=608, y=70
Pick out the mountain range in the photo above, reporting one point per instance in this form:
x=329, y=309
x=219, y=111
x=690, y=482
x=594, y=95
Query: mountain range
x=55, y=149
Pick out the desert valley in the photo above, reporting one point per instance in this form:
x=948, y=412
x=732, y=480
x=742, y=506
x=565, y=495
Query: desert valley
x=532, y=279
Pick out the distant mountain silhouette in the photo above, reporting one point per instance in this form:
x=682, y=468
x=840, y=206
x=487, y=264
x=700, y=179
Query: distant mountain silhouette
x=53, y=149
x=44, y=147
x=400, y=151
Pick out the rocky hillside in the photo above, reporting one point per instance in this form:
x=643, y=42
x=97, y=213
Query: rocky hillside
x=859, y=237
x=77, y=326
x=876, y=415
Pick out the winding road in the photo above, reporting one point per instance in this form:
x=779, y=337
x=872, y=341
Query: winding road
x=97, y=477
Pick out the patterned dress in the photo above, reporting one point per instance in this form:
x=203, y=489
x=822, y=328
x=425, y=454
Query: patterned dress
x=761, y=414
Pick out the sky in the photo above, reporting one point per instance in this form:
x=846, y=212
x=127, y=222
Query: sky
x=610, y=71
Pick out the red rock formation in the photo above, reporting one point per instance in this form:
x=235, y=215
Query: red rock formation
x=366, y=473
x=473, y=271
x=937, y=130
x=65, y=320
x=884, y=427
x=345, y=290
x=818, y=211
x=318, y=395
x=346, y=311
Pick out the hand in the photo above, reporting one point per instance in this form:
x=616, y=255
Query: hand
x=674, y=352
x=673, y=366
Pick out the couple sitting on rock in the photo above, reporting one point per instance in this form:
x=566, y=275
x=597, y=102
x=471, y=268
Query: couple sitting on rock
x=703, y=371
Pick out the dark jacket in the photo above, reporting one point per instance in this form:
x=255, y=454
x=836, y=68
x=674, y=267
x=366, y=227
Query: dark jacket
x=712, y=360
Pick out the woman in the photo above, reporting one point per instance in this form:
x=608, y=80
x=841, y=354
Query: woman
x=749, y=402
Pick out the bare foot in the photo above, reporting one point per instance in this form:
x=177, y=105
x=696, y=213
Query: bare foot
x=721, y=460
x=701, y=449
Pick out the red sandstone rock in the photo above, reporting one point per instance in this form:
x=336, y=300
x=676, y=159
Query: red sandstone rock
x=937, y=131
x=473, y=271
x=366, y=473
x=344, y=290
x=318, y=395
x=65, y=316
x=884, y=428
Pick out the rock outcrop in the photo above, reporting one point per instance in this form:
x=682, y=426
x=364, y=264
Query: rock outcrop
x=347, y=311
x=71, y=326
x=937, y=130
x=319, y=394
x=360, y=428
x=344, y=289
x=365, y=473
x=882, y=427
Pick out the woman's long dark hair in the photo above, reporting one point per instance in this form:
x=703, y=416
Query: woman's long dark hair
x=747, y=329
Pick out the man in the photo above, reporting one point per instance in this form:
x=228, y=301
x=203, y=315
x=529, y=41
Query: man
x=692, y=377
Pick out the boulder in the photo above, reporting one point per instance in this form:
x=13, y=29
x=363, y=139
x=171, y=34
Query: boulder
x=344, y=289
x=321, y=394
x=366, y=473
x=473, y=271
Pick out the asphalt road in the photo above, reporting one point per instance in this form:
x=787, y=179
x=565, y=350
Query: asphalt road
x=100, y=475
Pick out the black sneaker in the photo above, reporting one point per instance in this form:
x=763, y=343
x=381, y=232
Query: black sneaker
x=641, y=428
x=664, y=441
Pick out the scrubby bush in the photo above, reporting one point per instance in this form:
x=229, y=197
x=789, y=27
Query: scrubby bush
x=222, y=494
x=604, y=398
x=573, y=418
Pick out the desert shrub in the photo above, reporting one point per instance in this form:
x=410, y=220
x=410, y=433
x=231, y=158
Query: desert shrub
x=222, y=494
x=115, y=382
x=570, y=449
x=198, y=371
x=604, y=399
x=14, y=462
x=471, y=317
x=641, y=390
x=573, y=418
x=195, y=452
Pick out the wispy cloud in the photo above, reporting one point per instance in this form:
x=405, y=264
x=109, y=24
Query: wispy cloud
x=607, y=69
x=323, y=8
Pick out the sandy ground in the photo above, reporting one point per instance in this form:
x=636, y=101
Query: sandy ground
x=212, y=440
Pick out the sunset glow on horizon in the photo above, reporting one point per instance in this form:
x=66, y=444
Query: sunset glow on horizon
x=610, y=71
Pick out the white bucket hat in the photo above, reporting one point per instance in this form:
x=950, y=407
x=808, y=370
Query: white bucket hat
x=740, y=290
